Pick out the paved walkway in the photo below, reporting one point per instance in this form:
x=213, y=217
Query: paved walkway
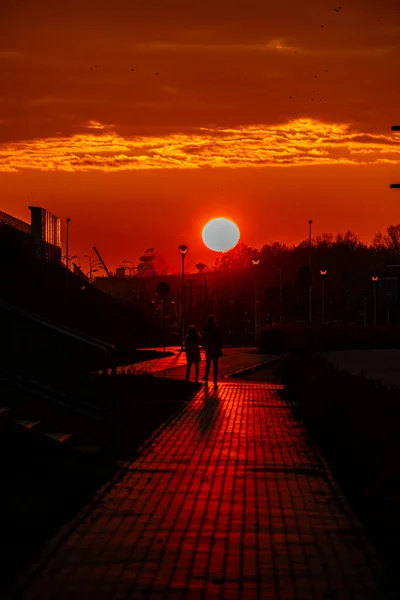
x=175, y=366
x=228, y=500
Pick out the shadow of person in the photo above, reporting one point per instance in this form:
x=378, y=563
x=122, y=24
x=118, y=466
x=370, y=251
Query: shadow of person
x=208, y=413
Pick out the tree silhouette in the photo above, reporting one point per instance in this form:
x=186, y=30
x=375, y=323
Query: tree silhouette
x=388, y=241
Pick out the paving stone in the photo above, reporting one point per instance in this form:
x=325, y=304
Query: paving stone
x=231, y=501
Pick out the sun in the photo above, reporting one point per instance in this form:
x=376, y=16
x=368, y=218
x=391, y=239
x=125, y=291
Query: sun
x=220, y=234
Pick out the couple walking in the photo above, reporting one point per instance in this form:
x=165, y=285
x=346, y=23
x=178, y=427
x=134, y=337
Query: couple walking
x=212, y=344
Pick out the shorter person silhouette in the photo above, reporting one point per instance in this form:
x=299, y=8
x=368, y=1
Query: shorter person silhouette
x=212, y=343
x=192, y=346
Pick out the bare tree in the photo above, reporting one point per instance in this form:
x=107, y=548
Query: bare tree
x=388, y=241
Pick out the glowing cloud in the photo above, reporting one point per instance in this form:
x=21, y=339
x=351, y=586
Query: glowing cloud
x=299, y=142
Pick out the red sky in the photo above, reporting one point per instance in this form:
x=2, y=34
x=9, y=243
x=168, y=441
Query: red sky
x=269, y=113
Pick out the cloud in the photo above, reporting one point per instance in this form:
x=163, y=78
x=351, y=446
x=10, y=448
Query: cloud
x=97, y=125
x=283, y=46
x=299, y=142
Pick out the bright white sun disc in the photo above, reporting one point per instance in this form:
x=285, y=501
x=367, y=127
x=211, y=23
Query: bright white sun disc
x=220, y=234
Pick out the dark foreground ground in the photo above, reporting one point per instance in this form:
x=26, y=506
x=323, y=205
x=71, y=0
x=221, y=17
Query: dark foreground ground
x=355, y=422
x=43, y=488
x=230, y=500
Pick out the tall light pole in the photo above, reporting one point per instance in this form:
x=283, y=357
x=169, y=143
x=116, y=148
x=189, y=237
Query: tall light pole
x=395, y=185
x=388, y=295
x=323, y=275
x=375, y=283
x=183, y=251
x=200, y=267
x=93, y=263
x=67, y=236
x=310, y=290
x=256, y=262
x=279, y=292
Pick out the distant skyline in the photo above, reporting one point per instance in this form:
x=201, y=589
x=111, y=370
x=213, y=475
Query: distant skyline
x=143, y=122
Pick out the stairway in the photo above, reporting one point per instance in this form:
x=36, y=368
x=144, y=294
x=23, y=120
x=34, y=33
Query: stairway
x=48, y=422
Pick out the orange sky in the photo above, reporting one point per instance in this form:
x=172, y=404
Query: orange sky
x=269, y=113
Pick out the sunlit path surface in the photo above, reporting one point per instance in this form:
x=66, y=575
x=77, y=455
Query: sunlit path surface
x=175, y=366
x=229, y=500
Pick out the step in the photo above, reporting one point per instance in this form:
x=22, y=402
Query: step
x=59, y=437
x=27, y=423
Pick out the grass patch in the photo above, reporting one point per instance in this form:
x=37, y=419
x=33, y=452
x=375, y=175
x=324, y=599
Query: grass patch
x=355, y=422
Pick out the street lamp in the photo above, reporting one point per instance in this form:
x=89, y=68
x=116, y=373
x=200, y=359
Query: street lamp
x=323, y=275
x=256, y=262
x=67, y=236
x=183, y=251
x=375, y=283
x=280, y=292
x=310, y=290
x=395, y=185
x=93, y=263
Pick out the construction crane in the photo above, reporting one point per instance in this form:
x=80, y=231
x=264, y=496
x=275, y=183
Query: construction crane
x=102, y=261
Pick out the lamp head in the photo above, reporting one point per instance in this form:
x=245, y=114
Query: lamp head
x=183, y=250
x=255, y=261
x=323, y=272
x=375, y=278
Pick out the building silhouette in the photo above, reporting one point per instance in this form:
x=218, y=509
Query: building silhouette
x=41, y=238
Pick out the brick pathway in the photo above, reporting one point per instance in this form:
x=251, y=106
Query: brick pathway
x=175, y=366
x=229, y=500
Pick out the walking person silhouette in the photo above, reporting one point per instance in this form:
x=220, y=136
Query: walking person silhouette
x=212, y=343
x=192, y=347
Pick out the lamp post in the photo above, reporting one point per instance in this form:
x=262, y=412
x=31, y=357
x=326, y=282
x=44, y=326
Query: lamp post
x=395, y=185
x=183, y=251
x=93, y=263
x=279, y=292
x=200, y=267
x=375, y=283
x=323, y=275
x=388, y=295
x=67, y=236
x=256, y=262
x=310, y=290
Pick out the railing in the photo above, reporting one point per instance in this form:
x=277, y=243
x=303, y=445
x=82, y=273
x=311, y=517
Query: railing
x=107, y=348
x=24, y=352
